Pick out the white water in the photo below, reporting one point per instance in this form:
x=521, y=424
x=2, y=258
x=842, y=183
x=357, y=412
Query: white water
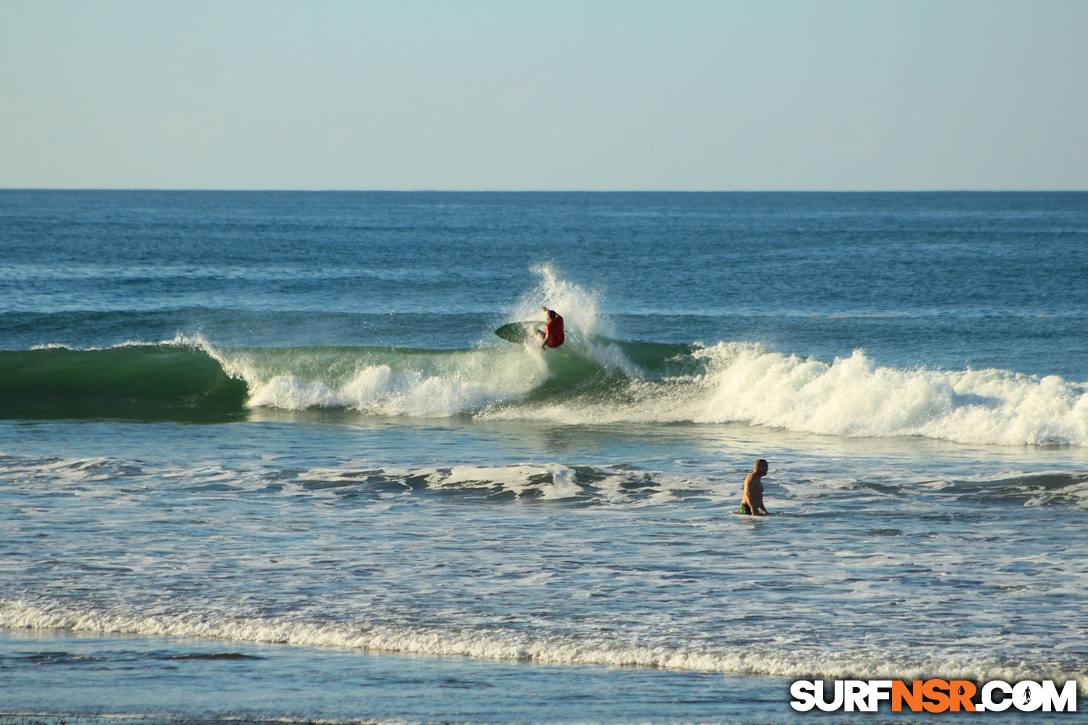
x=865, y=570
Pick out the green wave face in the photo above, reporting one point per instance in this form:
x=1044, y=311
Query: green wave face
x=153, y=382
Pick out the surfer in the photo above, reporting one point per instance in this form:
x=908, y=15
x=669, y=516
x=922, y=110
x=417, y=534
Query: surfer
x=552, y=334
x=752, y=503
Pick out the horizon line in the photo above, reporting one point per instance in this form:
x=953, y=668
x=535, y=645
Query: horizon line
x=537, y=191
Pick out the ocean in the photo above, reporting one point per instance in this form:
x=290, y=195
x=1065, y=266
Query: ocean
x=262, y=457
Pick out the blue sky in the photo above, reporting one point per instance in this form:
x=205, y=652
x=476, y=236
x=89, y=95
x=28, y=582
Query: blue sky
x=555, y=95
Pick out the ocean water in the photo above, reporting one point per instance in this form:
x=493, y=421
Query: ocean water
x=263, y=458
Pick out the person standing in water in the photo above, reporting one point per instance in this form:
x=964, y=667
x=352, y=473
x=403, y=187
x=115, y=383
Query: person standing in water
x=552, y=334
x=752, y=503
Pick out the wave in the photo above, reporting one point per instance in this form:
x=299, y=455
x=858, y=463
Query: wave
x=854, y=397
x=497, y=643
x=148, y=382
x=591, y=380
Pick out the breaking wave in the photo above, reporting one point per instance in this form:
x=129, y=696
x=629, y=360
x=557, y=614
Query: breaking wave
x=591, y=380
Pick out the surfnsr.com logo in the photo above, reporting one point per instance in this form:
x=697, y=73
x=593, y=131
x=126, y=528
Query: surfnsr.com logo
x=934, y=696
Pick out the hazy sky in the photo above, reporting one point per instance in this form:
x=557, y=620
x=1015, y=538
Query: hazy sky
x=596, y=95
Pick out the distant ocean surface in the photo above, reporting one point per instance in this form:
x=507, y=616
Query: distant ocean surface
x=262, y=456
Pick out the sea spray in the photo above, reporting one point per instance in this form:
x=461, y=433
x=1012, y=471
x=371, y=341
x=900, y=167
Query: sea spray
x=580, y=308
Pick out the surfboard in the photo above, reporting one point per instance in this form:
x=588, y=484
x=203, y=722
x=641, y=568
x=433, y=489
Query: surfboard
x=518, y=331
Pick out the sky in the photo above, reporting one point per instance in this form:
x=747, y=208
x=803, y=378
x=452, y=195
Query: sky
x=686, y=95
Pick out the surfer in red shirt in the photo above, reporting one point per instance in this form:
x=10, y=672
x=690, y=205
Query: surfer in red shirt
x=552, y=334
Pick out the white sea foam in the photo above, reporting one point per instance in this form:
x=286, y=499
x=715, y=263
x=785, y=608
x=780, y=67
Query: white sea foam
x=379, y=390
x=548, y=481
x=554, y=481
x=854, y=397
x=467, y=383
x=774, y=659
